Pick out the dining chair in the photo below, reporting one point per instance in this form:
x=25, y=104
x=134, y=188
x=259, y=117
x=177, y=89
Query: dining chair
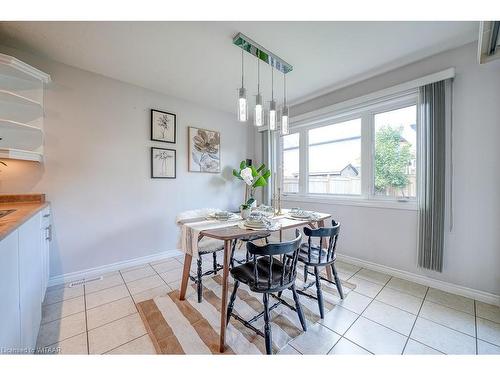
x=265, y=274
x=315, y=256
x=205, y=246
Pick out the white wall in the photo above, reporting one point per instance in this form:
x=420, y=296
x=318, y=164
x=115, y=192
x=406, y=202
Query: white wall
x=387, y=236
x=96, y=174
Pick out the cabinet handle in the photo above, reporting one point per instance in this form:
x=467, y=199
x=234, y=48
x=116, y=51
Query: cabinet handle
x=48, y=236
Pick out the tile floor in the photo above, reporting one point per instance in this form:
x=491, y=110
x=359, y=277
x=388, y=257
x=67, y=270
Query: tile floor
x=383, y=315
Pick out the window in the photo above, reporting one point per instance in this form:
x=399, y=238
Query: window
x=395, y=153
x=291, y=163
x=365, y=152
x=335, y=158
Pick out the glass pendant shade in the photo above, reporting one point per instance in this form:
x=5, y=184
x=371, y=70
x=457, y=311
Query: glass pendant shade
x=284, y=121
x=259, y=111
x=242, y=105
x=272, y=115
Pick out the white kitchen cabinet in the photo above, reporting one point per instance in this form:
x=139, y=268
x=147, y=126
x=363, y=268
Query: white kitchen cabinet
x=45, y=239
x=23, y=282
x=10, y=337
x=30, y=280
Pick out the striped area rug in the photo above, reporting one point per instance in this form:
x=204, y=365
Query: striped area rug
x=189, y=327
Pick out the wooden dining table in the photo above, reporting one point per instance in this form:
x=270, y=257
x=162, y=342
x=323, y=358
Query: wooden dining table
x=234, y=232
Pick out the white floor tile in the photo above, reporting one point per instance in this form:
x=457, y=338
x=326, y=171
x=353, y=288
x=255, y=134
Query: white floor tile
x=449, y=317
x=73, y=345
x=486, y=311
x=365, y=287
x=346, y=268
x=169, y=265
x=141, y=345
x=114, y=334
x=345, y=346
x=408, y=287
x=488, y=331
x=288, y=350
x=108, y=281
x=139, y=273
x=399, y=320
x=106, y=296
x=413, y=347
x=375, y=337
x=451, y=300
x=373, y=276
x=62, y=309
x=484, y=347
x=317, y=340
x=109, y=312
x=60, y=293
x=151, y=293
x=400, y=300
x=62, y=329
x=171, y=276
x=355, y=302
x=141, y=285
x=339, y=319
x=441, y=338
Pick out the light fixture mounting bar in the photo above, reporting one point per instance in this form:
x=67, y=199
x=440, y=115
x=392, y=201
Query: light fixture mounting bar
x=261, y=53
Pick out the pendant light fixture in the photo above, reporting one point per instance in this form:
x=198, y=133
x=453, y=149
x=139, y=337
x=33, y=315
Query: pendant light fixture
x=242, y=96
x=272, y=105
x=259, y=109
x=284, y=113
x=275, y=62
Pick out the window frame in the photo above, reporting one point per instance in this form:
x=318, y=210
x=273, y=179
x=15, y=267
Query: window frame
x=366, y=112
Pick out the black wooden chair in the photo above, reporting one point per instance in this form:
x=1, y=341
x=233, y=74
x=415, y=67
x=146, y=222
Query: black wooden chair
x=266, y=274
x=315, y=256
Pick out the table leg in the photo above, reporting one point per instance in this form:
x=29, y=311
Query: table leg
x=223, y=310
x=185, y=276
x=323, y=245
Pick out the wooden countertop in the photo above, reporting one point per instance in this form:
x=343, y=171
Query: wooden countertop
x=23, y=212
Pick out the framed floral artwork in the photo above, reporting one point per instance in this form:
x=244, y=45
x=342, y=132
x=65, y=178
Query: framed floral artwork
x=204, y=150
x=163, y=126
x=162, y=163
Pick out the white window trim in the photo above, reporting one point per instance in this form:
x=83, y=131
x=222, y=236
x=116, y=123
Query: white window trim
x=366, y=112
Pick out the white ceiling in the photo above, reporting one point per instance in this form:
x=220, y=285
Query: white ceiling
x=197, y=60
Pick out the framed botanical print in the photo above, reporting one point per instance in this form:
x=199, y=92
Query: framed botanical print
x=163, y=126
x=204, y=150
x=163, y=163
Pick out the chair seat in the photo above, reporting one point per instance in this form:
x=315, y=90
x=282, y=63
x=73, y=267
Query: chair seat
x=209, y=245
x=245, y=274
x=315, y=253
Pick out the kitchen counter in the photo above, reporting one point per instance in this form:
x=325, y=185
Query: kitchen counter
x=25, y=206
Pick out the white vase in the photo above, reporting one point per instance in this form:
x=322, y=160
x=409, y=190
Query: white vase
x=245, y=212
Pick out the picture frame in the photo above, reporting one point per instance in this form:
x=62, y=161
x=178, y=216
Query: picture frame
x=163, y=163
x=203, y=150
x=163, y=126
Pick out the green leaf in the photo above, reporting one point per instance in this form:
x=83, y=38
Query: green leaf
x=237, y=174
x=262, y=166
x=266, y=174
x=250, y=201
x=259, y=182
x=254, y=171
x=243, y=164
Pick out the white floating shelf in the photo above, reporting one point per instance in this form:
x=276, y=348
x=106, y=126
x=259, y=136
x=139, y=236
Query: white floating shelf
x=11, y=153
x=21, y=109
x=21, y=136
x=16, y=69
x=18, y=107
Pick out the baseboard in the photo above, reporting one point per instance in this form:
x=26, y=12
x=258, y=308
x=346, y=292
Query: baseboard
x=424, y=280
x=96, y=271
